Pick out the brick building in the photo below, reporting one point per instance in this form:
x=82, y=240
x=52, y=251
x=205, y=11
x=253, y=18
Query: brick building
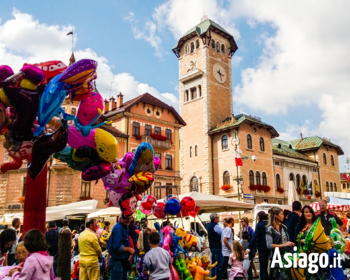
x=134, y=121
x=214, y=136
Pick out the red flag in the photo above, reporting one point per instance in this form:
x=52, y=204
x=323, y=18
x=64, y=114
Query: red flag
x=70, y=33
x=239, y=161
x=346, y=177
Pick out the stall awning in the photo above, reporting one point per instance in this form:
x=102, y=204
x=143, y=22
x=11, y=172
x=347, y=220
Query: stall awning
x=337, y=200
x=105, y=212
x=72, y=209
x=331, y=206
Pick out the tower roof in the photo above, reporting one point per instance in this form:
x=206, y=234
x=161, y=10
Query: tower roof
x=204, y=29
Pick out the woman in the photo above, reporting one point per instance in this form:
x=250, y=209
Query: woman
x=307, y=219
x=7, y=238
x=226, y=241
x=246, y=227
x=277, y=237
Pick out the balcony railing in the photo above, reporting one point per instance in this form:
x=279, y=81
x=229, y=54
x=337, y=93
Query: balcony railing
x=166, y=144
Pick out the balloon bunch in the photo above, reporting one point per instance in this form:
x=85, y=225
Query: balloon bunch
x=130, y=177
x=35, y=125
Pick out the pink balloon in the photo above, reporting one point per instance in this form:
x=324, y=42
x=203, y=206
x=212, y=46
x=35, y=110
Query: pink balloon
x=114, y=198
x=167, y=238
x=144, y=211
x=173, y=274
x=88, y=108
x=96, y=172
x=76, y=140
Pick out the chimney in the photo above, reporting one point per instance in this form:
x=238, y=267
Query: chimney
x=112, y=103
x=106, y=106
x=120, y=100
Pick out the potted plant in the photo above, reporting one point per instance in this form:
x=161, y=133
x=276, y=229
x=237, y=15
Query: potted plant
x=317, y=194
x=280, y=190
x=306, y=192
x=226, y=187
x=253, y=187
x=267, y=188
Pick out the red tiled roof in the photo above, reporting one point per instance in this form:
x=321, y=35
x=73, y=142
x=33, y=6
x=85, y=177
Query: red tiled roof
x=114, y=131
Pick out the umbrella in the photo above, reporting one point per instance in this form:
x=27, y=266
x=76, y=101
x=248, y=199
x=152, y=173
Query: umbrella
x=292, y=193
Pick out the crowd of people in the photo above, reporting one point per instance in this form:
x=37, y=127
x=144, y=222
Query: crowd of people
x=114, y=253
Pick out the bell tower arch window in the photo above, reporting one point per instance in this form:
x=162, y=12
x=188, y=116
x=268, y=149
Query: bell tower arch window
x=223, y=50
x=217, y=46
x=213, y=43
x=192, y=47
x=197, y=44
x=249, y=142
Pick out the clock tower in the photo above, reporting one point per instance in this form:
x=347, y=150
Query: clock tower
x=205, y=91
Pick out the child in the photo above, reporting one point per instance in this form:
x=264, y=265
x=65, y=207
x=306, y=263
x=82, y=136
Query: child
x=236, y=262
x=333, y=271
x=21, y=254
x=38, y=265
x=157, y=261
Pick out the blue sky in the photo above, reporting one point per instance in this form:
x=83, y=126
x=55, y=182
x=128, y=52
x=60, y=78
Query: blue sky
x=292, y=65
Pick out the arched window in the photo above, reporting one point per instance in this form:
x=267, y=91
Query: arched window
x=213, y=43
x=191, y=151
x=331, y=187
x=217, y=46
x=335, y=187
x=298, y=181
x=262, y=144
x=186, y=95
x=327, y=187
x=291, y=177
x=249, y=142
x=223, y=50
x=187, y=49
x=332, y=160
x=224, y=142
x=264, y=179
x=194, y=184
x=226, y=178
x=324, y=158
x=257, y=177
x=305, y=182
x=251, y=178
x=192, y=47
x=278, y=180
x=196, y=150
x=197, y=43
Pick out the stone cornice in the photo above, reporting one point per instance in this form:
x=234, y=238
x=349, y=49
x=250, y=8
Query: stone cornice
x=130, y=115
x=193, y=74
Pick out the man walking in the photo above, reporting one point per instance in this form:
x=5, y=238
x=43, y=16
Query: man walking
x=214, y=236
x=52, y=242
x=90, y=252
x=120, y=250
x=326, y=218
x=16, y=223
x=293, y=220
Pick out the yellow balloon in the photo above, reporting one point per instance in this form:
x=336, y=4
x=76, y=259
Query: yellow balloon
x=27, y=84
x=3, y=98
x=106, y=145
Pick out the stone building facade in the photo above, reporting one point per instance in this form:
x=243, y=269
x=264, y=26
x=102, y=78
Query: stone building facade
x=214, y=136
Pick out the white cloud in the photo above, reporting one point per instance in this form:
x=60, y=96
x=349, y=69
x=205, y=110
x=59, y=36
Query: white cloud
x=24, y=39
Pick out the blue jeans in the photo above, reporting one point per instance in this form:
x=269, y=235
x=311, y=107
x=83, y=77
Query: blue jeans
x=216, y=256
x=116, y=270
x=264, y=263
x=222, y=274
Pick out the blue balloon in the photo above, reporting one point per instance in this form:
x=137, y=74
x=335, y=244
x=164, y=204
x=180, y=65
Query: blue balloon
x=173, y=206
x=50, y=103
x=143, y=160
x=159, y=230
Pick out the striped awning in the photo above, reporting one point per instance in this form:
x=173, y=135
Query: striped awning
x=331, y=206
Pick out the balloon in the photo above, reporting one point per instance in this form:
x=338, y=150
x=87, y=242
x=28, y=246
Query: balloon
x=50, y=103
x=182, y=213
x=90, y=108
x=114, y=198
x=167, y=238
x=25, y=153
x=197, y=271
x=175, y=241
x=158, y=210
x=128, y=204
x=96, y=172
x=173, y=274
x=5, y=72
x=144, y=211
x=148, y=201
x=51, y=68
x=143, y=159
x=194, y=212
x=188, y=204
x=182, y=269
x=106, y=145
x=156, y=163
x=45, y=146
x=68, y=155
x=99, y=231
x=159, y=230
x=173, y=206
x=86, y=152
x=26, y=103
x=338, y=238
x=141, y=181
x=76, y=140
x=79, y=72
x=117, y=180
x=316, y=239
x=169, y=196
x=3, y=117
x=188, y=238
x=33, y=73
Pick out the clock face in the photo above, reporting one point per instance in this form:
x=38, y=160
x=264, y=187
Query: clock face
x=219, y=73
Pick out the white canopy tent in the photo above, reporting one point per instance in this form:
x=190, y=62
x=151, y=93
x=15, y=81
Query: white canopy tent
x=105, y=212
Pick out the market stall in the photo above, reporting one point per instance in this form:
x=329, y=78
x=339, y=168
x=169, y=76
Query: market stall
x=331, y=206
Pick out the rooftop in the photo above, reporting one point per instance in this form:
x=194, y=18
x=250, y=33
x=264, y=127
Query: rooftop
x=284, y=148
x=314, y=142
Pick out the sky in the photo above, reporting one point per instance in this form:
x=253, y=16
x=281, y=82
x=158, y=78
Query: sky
x=291, y=68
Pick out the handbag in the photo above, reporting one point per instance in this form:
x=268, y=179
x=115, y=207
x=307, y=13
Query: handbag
x=246, y=264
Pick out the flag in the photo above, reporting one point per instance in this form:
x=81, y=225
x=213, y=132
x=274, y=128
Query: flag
x=70, y=33
x=239, y=161
x=346, y=176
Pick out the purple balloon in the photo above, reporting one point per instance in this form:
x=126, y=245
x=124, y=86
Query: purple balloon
x=79, y=72
x=33, y=73
x=5, y=72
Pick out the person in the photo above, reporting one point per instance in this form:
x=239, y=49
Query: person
x=277, y=237
x=90, y=252
x=137, y=224
x=245, y=245
x=21, y=253
x=236, y=261
x=333, y=270
x=214, y=237
x=7, y=238
x=134, y=237
x=286, y=213
x=293, y=220
x=259, y=241
x=327, y=216
x=246, y=227
x=226, y=241
x=307, y=219
x=52, y=241
x=120, y=250
x=157, y=261
x=16, y=223
x=105, y=235
x=142, y=242
x=38, y=265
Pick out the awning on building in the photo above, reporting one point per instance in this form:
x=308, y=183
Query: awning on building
x=331, y=206
x=105, y=212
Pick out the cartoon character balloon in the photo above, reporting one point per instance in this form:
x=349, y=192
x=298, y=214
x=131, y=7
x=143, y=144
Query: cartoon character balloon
x=143, y=160
x=167, y=231
x=158, y=210
x=128, y=204
x=148, y=201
